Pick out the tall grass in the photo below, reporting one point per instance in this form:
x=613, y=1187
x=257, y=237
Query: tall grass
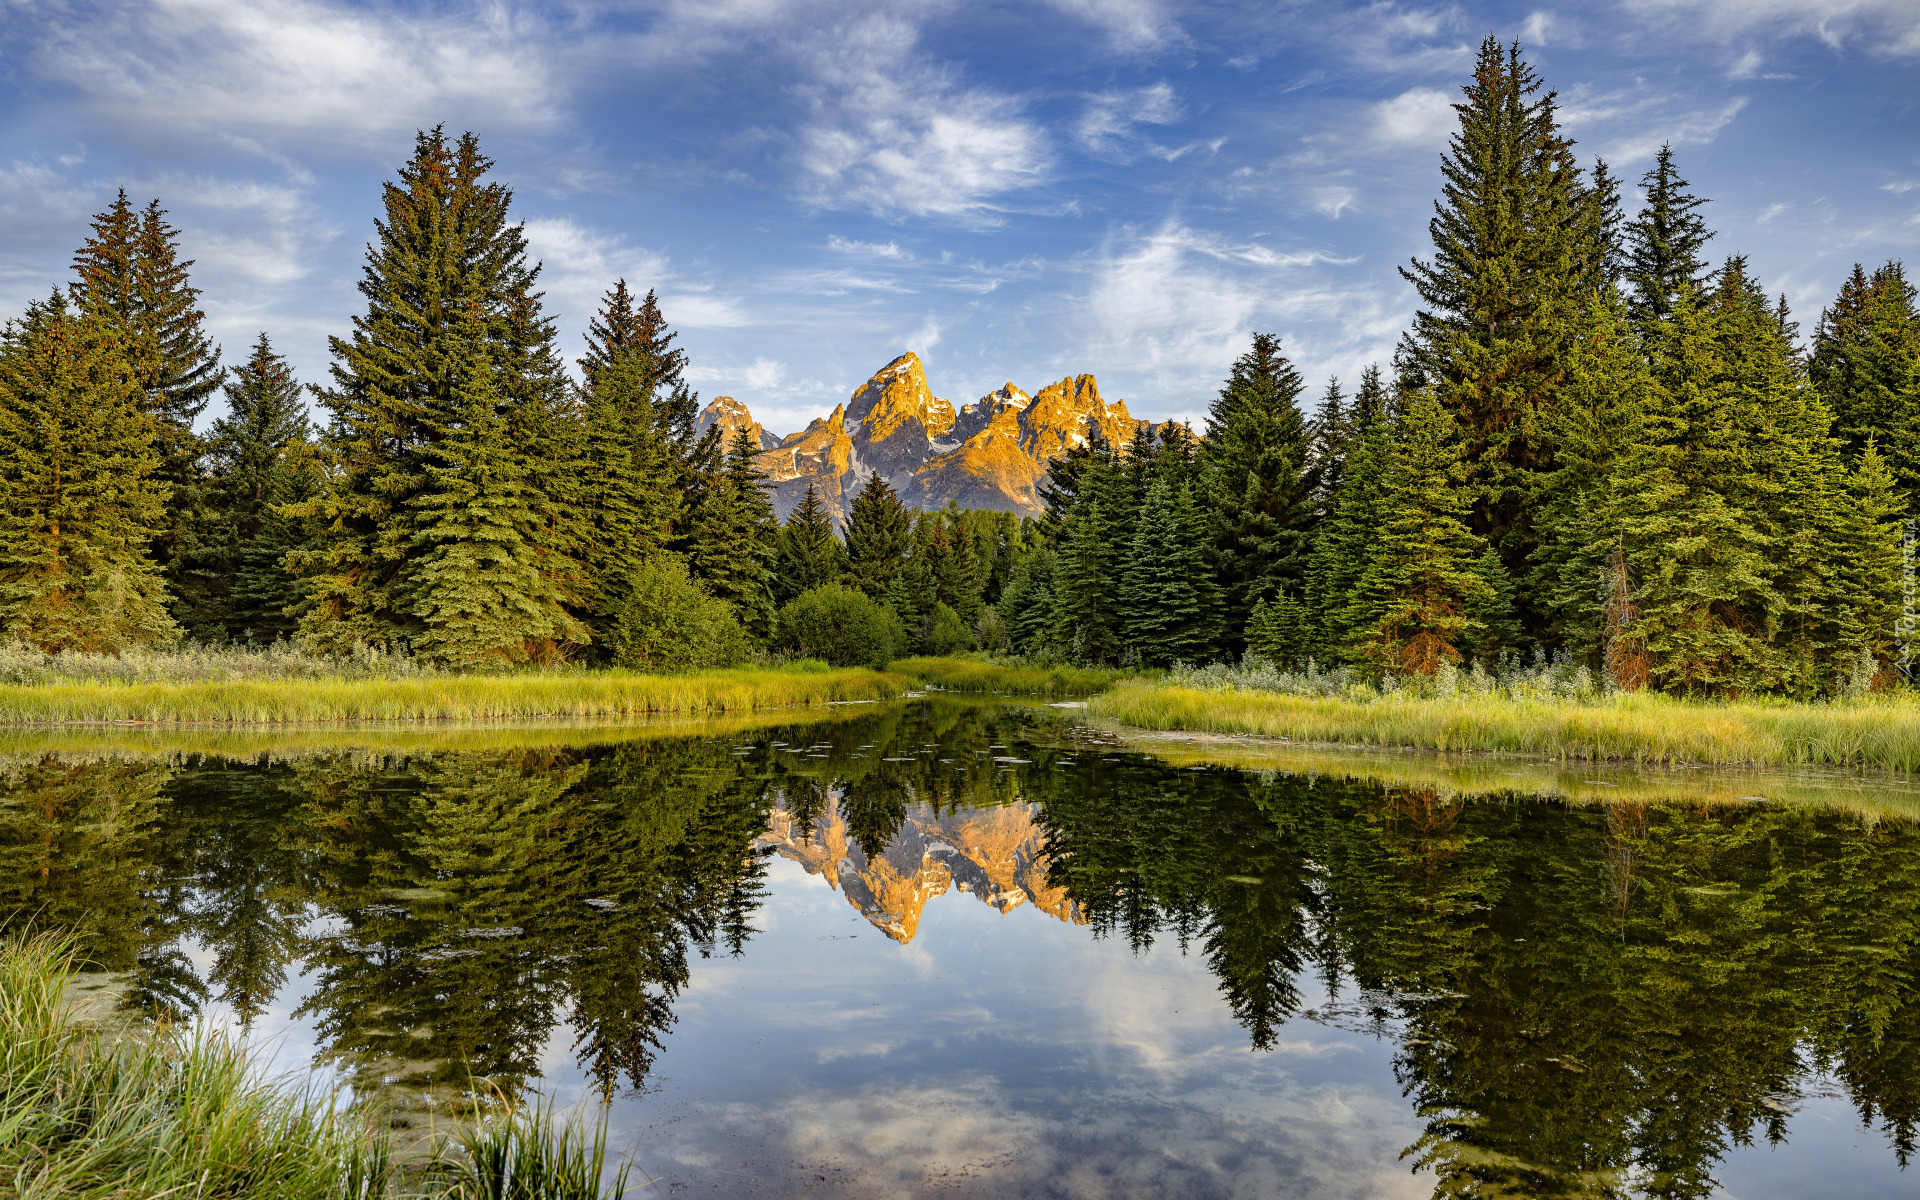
x=1635, y=728
x=89, y=1113
x=445, y=697
x=980, y=675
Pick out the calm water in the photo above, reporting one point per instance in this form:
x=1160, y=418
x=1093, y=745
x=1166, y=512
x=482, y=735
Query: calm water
x=943, y=949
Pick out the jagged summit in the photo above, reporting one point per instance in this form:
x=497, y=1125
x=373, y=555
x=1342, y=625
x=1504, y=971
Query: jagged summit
x=732, y=415
x=990, y=454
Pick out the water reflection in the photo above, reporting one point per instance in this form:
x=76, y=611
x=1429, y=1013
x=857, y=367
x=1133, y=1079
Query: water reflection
x=1582, y=1001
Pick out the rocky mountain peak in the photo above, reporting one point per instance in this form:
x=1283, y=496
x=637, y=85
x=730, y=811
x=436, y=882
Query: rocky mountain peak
x=731, y=415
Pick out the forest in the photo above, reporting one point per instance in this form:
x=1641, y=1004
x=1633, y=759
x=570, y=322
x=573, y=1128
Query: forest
x=1595, y=444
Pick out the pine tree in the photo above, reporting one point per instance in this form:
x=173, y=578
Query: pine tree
x=1518, y=239
x=1168, y=604
x=1279, y=631
x=258, y=457
x=1495, y=621
x=1868, y=599
x=732, y=538
x=1866, y=366
x=1343, y=541
x=1412, y=607
x=452, y=325
x=1696, y=559
x=1026, y=604
x=621, y=326
x=1329, y=435
x=1253, y=479
x=1090, y=562
x=473, y=579
x=1664, y=242
x=879, y=535
x=810, y=554
x=956, y=565
x=627, y=499
x=131, y=277
x=79, y=493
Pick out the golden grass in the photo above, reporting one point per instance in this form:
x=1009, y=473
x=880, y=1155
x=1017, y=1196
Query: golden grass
x=973, y=675
x=602, y=694
x=1639, y=728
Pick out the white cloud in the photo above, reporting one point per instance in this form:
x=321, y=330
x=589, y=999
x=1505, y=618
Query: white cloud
x=1883, y=28
x=889, y=249
x=1110, y=117
x=1134, y=25
x=1537, y=28
x=1695, y=128
x=893, y=132
x=296, y=65
x=1417, y=117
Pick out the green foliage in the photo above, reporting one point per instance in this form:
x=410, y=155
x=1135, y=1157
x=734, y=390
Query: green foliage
x=1278, y=631
x=627, y=499
x=947, y=633
x=79, y=497
x=732, y=537
x=1866, y=366
x=1664, y=243
x=841, y=626
x=1253, y=481
x=879, y=535
x=1169, y=606
x=810, y=554
x=664, y=621
x=448, y=390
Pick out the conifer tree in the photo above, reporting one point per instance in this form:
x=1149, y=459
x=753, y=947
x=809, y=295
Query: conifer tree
x=1495, y=621
x=1664, y=242
x=1026, y=604
x=258, y=457
x=1696, y=560
x=1328, y=436
x=131, y=277
x=79, y=493
x=1343, y=542
x=1517, y=240
x=1412, y=609
x=473, y=579
x=452, y=326
x=879, y=535
x=1278, y=631
x=1866, y=366
x=621, y=325
x=957, y=576
x=1090, y=563
x=732, y=538
x=1168, y=602
x=1868, y=599
x=628, y=501
x=1253, y=479
x=810, y=554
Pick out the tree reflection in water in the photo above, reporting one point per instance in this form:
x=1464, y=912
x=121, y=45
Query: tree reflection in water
x=1587, y=1001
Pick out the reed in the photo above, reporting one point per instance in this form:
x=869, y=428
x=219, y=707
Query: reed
x=977, y=675
x=1883, y=733
x=88, y=1113
x=600, y=694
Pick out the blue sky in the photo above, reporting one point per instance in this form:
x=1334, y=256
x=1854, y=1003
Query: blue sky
x=1015, y=191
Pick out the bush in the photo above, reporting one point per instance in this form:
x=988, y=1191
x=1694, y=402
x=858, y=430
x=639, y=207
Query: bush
x=669, y=623
x=946, y=633
x=839, y=625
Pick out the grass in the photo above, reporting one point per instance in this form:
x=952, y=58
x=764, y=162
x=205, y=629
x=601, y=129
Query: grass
x=600, y=694
x=1631, y=728
x=979, y=675
x=89, y=1112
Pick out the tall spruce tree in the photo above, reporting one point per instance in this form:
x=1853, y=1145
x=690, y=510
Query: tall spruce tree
x=879, y=535
x=1026, y=604
x=810, y=554
x=1343, y=542
x=258, y=458
x=1866, y=366
x=1517, y=239
x=1168, y=603
x=1253, y=479
x=1664, y=242
x=1413, y=606
x=129, y=275
x=1091, y=560
x=628, y=501
x=733, y=537
x=452, y=348
x=80, y=496
x=623, y=325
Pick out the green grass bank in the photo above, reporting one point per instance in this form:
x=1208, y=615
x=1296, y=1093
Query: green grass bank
x=91, y=1111
x=1634, y=728
x=598, y=694
x=975, y=675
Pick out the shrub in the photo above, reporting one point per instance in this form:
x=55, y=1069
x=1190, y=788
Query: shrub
x=669, y=623
x=946, y=633
x=839, y=625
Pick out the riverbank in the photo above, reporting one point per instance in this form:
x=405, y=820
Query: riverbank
x=600, y=694
x=93, y=1110
x=1636, y=728
x=973, y=675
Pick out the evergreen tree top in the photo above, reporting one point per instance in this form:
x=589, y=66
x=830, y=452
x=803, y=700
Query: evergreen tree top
x=1262, y=382
x=1665, y=240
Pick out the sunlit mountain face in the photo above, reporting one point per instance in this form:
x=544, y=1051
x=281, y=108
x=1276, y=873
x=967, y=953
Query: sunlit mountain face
x=982, y=949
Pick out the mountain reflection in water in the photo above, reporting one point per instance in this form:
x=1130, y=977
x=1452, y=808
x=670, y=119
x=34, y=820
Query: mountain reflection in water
x=1616, y=1000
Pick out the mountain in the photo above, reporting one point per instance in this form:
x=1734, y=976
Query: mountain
x=731, y=415
x=994, y=855
x=990, y=454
